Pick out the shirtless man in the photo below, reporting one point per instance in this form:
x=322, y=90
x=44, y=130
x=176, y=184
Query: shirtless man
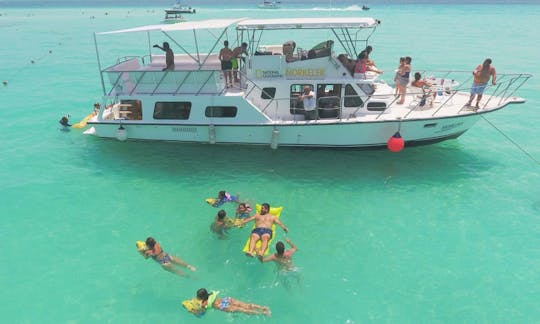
x=263, y=229
x=237, y=52
x=282, y=258
x=482, y=74
x=169, y=56
x=225, y=56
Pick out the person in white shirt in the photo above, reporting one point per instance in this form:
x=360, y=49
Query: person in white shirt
x=308, y=97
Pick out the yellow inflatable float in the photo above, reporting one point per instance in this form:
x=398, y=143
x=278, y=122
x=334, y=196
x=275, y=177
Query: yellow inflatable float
x=276, y=211
x=83, y=122
x=141, y=247
x=194, y=305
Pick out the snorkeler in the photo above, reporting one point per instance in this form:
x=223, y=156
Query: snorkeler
x=166, y=260
x=64, y=121
x=224, y=197
x=226, y=304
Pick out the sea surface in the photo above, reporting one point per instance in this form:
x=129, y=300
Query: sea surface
x=436, y=234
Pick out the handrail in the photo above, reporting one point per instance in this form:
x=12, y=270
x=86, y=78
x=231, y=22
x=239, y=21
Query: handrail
x=193, y=82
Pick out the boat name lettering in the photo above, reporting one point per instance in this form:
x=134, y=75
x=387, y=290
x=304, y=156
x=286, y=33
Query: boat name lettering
x=450, y=126
x=261, y=74
x=184, y=129
x=305, y=72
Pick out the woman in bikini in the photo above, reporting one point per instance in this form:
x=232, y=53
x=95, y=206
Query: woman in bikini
x=229, y=304
x=167, y=261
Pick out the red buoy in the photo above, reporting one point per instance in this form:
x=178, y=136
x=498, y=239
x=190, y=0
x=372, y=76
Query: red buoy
x=395, y=143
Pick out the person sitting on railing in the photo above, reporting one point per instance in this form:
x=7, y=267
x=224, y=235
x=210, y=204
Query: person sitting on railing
x=347, y=63
x=169, y=56
x=361, y=67
x=368, y=51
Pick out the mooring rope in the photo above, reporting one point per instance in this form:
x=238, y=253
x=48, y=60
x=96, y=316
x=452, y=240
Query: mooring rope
x=511, y=141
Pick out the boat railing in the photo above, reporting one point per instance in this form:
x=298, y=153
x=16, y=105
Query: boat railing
x=139, y=81
x=343, y=108
x=453, y=82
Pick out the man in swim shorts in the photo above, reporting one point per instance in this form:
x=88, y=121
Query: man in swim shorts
x=481, y=74
x=237, y=52
x=263, y=229
x=225, y=56
x=229, y=304
x=167, y=261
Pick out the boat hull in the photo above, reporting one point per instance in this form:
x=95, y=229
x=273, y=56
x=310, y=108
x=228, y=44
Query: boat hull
x=301, y=134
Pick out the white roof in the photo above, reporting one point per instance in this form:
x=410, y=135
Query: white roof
x=309, y=23
x=187, y=25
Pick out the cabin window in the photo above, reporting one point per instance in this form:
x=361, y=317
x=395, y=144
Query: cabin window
x=328, y=95
x=131, y=109
x=351, y=98
x=367, y=88
x=328, y=100
x=221, y=111
x=268, y=93
x=172, y=110
x=376, y=106
x=297, y=106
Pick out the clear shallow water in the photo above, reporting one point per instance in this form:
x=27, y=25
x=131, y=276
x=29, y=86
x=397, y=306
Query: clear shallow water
x=442, y=233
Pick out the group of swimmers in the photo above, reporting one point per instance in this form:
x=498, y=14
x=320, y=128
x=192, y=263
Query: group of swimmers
x=262, y=232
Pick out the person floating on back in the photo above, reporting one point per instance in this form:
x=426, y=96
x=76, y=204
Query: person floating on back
x=263, y=229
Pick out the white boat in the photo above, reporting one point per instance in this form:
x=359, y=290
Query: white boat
x=270, y=5
x=180, y=8
x=174, y=14
x=193, y=104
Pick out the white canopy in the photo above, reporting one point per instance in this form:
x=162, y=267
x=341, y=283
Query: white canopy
x=188, y=25
x=308, y=23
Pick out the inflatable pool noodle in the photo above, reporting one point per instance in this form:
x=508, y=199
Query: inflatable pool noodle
x=276, y=211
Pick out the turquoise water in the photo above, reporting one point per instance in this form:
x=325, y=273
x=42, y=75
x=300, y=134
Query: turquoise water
x=442, y=233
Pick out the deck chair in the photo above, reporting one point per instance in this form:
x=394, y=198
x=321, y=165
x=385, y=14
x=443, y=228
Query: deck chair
x=422, y=98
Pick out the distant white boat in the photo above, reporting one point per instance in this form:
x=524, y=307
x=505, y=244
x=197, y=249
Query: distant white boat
x=173, y=16
x=178, y=8
x=270, y=5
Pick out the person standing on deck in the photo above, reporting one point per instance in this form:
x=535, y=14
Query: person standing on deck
x=169, y=56
x=225, y=56
x=308, y=98
x=482, y=74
